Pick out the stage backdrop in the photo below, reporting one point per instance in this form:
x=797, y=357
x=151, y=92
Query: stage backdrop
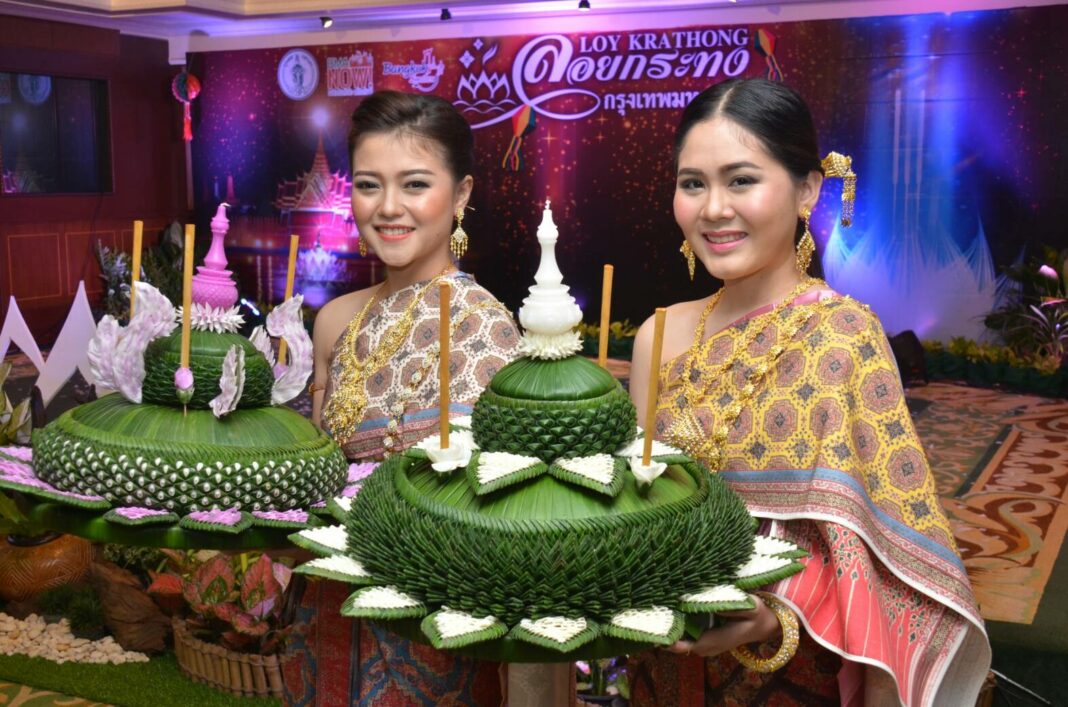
x=955, y=123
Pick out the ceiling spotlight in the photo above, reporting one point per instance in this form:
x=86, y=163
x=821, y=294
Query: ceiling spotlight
x=584, y=5
x=445, y=14
x=327, y=21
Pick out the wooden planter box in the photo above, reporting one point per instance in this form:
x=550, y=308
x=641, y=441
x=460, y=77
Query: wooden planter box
x=244, y=674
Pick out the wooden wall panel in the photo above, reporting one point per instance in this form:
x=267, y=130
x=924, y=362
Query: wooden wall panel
x=46, y=240
x=81, y=261
x=34, y=266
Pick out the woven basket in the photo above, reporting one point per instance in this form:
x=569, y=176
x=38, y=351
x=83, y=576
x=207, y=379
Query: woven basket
x=244, y=674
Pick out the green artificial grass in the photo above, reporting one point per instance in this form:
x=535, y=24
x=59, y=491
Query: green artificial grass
x=157, y=683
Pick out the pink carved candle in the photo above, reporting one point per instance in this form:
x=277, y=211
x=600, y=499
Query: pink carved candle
x=213, y=284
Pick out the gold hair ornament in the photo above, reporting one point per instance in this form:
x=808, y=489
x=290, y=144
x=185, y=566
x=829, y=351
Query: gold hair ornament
x=838, y=165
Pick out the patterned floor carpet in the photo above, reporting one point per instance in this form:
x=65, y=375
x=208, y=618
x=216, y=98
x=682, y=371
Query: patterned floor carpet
x=1001, y=464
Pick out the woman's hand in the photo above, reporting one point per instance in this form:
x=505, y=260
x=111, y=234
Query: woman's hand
x=739, y=628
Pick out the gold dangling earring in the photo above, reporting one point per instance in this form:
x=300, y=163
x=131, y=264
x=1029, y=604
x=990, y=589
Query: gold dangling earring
x=806, y=246
x=361, y=245
x=691, y=261
x=458, y=239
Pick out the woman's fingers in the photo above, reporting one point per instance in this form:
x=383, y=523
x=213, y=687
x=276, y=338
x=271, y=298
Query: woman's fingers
x=680, y=647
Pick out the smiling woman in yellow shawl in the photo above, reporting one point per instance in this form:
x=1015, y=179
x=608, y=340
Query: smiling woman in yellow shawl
x=789, y=391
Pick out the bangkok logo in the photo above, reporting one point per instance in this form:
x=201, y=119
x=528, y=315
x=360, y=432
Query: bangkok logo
x=422, y=76
x=298, y=74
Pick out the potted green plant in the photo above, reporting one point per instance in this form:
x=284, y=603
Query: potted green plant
x=230, y=630
x=32, y=559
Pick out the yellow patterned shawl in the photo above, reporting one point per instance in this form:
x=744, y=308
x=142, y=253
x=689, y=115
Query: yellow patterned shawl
x=825, y=452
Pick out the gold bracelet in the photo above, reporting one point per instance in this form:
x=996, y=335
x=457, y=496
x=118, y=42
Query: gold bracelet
x=314, y=388
x=791, y=635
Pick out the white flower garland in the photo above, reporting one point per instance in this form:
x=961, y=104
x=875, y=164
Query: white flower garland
x=204, y=317
x=550, y=347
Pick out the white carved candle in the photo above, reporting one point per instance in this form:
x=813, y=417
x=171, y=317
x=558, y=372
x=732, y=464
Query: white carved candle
x=549, y=313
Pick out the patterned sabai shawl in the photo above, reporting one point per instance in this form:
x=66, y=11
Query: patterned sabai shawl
x=398, y=412
x=825, y=452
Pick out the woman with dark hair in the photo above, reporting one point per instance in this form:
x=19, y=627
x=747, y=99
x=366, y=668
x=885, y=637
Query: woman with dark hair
x=789, y=391
x=375, y=389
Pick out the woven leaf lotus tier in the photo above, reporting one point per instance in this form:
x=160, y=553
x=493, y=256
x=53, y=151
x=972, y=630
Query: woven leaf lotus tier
x=207, y=447
x=540, y=542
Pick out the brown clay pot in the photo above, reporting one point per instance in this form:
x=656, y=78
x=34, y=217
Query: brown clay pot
x=29, y=566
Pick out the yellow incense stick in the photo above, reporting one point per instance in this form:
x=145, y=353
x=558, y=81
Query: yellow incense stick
x=654, y=384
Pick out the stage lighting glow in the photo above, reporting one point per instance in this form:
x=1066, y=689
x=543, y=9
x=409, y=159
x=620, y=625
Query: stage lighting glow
x=320, y=117
x=251, y=307
x=327, y=21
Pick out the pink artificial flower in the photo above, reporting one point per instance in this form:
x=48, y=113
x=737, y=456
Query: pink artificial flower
x=1048, y=272
x=183, y=378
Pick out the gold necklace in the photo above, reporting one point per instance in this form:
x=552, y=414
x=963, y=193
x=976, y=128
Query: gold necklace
x=348, y=402
x=687, y=431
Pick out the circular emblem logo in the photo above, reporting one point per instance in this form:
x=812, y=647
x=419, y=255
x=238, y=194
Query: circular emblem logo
x=298, y=74
x=35, y=90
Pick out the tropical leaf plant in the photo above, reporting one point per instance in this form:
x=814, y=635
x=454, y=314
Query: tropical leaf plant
x=234, y=602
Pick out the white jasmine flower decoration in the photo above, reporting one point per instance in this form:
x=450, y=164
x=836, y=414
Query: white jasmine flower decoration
x=456, y=456
x=656, y=620
x=720, y=593
x=383, y=598
x=599, y=467
x=767, y=545
x=434, y=441
x=287, y=322
x=493, y=466
x=556, y=628
x=461, y=421
x=634, y=448
x=340, y=564
x=761, y=564
x=551, y=347
x=646, y=474
x=204, y=317
x=331, y=537
x=231, y=383
x=451, y=624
